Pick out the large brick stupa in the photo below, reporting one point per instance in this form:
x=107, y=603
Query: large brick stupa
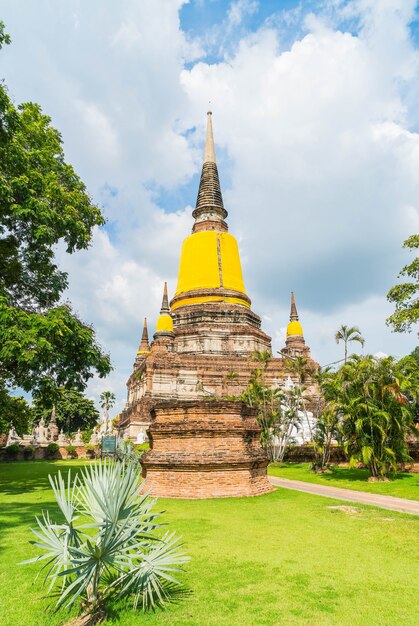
x=203, y=444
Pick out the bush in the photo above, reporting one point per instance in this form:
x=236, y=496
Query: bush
x=91, y=450
x=124, y=554
x=86, y=434
x=28, y=452
x=52, y=449
x=12, y=451
x=71, y=451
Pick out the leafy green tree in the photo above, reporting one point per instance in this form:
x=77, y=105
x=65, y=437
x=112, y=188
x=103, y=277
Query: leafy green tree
x=43, y=344
x=14, y=410
x=123, y=554
x=376, y=399
x=406, y=295
x=348, y=334
x=72, y=409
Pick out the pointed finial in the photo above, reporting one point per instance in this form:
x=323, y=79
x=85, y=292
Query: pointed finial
x=294, y=314
x=209, y=152
x=144, y=345
x=165, y=302
x=164, y=326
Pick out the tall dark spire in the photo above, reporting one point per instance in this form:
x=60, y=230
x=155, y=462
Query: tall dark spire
x=144, y=345
x=165, y=302
x=294, y=314
x=209, y=204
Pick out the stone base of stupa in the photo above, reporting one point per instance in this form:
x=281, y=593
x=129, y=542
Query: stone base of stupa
x=204, y=449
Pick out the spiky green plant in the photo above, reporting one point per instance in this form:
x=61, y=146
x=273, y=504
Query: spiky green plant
x=116, y=553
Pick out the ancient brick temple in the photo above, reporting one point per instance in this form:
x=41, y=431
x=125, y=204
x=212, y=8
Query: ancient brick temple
x=203, y=444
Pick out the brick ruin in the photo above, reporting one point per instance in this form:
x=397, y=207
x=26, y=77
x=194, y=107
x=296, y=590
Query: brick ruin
x=203, y=443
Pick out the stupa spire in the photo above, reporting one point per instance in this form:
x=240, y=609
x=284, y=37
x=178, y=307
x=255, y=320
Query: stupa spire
x=293, y=314
x=165, y=301
x=164, y=326
x=144, y=345
x=294, y=328
x=209, y=213
x=209, y=151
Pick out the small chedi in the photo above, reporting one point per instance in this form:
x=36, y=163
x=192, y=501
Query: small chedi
x=42, y=435
x=202, y=444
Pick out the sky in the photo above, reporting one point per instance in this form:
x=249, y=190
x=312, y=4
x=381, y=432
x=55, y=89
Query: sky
x=316, y=127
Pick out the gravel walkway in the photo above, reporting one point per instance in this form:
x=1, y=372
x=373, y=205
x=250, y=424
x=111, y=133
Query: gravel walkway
x=385, y=502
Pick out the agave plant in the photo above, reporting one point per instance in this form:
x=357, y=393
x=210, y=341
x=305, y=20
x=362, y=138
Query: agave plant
x=115, y=552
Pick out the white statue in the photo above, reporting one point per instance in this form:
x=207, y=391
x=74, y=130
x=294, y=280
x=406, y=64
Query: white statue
x=13, y=437
x=78, y=441
x=41, y=432
x=62, y=440
x=94, y=440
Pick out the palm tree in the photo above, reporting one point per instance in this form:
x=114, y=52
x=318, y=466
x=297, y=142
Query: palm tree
x=376, y=400
x=107, y=400
x=347, y=334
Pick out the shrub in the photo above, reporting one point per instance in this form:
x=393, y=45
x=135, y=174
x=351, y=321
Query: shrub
x=71, y=451
x=91, y=450
x=12, y=451
x=120, y=556
x=52, y=449
x=86, y=434
x=28, y=452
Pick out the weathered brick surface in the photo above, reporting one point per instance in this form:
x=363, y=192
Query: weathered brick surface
x=204, y=450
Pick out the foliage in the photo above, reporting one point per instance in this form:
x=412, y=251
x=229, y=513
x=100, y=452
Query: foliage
x=127, y=452
x=107, y=400
x=266, y=400
x=72, y=409
x=52, y=449
x=376, y=399
x=86, y=435
x=91, y=450
x=71, y=451
x=326, y=418
x=14, y=410
x=124, y=557
x=43, y=344
x=13, y=450
x=28, y=452
x=348, y=334
x=405, y=296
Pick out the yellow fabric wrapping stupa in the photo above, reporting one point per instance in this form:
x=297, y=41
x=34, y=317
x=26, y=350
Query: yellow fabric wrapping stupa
x=294, y=328
x=210, y=260
x=164, y=323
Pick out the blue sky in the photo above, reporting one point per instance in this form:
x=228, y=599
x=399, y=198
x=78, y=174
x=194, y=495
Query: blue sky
x=316, y=127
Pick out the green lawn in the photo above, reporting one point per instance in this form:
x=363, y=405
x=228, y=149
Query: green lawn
x=284, y=558
x=404, y=485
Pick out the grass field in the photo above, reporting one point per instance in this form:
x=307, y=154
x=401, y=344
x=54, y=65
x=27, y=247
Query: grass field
x=404, y=485
x=283, y=558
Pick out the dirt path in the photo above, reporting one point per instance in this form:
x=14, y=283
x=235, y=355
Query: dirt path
x=385, y=502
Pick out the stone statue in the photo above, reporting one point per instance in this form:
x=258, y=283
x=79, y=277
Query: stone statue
x=94, y=440
x=78, y=441
x=62, y=440
x=41, y=432
x=12, y=437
